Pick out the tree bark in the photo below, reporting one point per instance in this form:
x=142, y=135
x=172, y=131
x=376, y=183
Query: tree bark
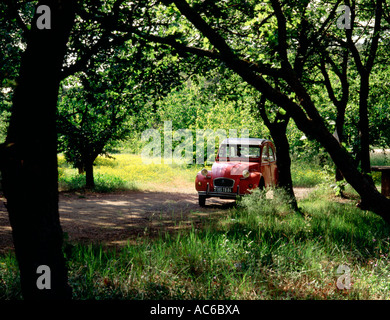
x=364, y=72
x=89, y=179
x=278, y=130
x=283, y=161
x=340, y=104
x=29, y=157
x=364, y=130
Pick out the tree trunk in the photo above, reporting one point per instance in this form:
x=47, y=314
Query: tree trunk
x=340, y=119
x=278, y=130
x=29, y=158
x=80, y=168
x=89, y=179
x=364, y=125
x=283, y=161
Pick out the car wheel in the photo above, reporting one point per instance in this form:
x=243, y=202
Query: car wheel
x=202, y=201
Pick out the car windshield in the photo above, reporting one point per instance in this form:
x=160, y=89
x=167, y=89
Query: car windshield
x=239, y=153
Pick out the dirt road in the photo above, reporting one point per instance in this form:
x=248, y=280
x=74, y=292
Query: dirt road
x=117, y=218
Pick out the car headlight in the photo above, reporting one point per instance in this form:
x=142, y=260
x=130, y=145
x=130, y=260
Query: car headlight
x=204, y=172
x=245, y=174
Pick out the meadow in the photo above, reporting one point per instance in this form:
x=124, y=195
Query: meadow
x=127, y=172
x=259, y=249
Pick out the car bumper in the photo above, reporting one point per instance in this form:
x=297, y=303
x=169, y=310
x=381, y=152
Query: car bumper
x=223, y=195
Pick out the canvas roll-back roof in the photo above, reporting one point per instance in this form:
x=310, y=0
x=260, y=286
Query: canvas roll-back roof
x=244, y=141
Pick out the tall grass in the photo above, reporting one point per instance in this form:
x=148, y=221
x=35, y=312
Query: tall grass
x=9, y=277
x=258, y=250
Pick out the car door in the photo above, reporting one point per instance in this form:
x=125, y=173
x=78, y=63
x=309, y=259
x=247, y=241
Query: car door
x=265, y=166
x=273, y=166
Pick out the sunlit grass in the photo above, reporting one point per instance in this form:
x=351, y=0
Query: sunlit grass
x=132, y=173
x=304, y=175
x=380, y=157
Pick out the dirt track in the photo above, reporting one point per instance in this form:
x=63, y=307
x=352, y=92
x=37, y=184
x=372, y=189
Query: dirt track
x=115, y=218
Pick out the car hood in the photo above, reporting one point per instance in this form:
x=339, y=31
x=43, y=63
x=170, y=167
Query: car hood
x=232, y=169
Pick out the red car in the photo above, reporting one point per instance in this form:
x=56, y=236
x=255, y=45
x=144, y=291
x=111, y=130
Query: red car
x=242, y=164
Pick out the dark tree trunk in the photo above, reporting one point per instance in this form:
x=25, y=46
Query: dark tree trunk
x=340, y=104
x=278, y=130
x=364, y=125
x=283, y=161
x=89, y=179
x=29, y=157
x=80, y=169
x=340, y=136
x=364, y=67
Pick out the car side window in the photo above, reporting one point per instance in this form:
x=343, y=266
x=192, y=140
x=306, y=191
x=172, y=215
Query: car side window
x=233, y=151
x=271, y=155
x=264, y=155
x=254, y=152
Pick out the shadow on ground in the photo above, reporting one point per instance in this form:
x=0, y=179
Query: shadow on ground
x=116, y=218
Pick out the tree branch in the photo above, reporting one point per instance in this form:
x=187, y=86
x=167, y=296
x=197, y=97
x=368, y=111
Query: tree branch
x=250, y=75
x=212, y=54
x=14, y=12
x=376, y=36
x=282, y=34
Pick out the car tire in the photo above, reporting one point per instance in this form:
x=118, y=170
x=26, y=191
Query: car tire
x=202, y=201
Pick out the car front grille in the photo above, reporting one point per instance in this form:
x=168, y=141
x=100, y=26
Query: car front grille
x=223, y=182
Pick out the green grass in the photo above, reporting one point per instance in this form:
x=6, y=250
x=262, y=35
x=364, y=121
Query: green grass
x=380, y=158
x=103, y=183
x=9, y=277
x=258, y=250
x=127, y=172
x=307, y=176
x=311, y=175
